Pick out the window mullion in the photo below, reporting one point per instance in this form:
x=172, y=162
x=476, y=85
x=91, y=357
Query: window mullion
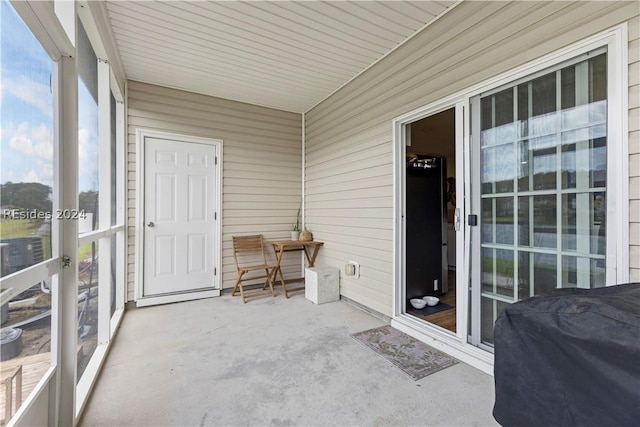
x=22, y=280
x=516, y=166
x=530, y=188
x=121, y=205
x=583, y=196
x=104, y=216
x=559, y=230
x=68, y=328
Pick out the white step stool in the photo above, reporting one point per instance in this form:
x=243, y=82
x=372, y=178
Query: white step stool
x=322, y=284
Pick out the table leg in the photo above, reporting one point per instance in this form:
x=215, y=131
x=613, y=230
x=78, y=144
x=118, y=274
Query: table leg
x=311, y=259
x=279, y=253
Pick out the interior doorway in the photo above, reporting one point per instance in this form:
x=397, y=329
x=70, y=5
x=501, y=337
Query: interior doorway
x=430, y=215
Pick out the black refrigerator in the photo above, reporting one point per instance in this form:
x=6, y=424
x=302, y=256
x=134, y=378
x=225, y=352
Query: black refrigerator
x=426, y=226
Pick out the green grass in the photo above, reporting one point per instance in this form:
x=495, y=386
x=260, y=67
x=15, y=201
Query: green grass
x=84, y=252
x=10, y=228
x=13, y=228
x=507, y=265
x=501, y=264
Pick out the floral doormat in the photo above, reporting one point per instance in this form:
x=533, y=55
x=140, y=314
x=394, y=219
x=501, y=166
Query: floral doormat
x=413, y=357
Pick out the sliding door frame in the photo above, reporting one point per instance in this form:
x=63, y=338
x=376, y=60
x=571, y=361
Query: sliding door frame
x=617, y=262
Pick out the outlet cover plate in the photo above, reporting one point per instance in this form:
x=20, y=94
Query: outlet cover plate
x=356, y=268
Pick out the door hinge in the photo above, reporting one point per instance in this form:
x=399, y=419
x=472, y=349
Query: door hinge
x=215, y=216
x=215, y=160
x=215, y=271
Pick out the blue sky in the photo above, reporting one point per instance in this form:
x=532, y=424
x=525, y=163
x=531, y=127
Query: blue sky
x=26, y=110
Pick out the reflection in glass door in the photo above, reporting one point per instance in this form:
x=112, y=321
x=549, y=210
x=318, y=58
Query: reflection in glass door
x=539, y=186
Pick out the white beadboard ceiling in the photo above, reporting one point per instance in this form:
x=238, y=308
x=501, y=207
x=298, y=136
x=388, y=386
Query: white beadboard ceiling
x=288, y=55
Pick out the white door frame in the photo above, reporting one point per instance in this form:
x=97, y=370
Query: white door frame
x=447, y=341
x=140, y=299
x=617, y=182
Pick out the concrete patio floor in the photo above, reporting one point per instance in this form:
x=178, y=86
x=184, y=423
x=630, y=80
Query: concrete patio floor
x=273, y=362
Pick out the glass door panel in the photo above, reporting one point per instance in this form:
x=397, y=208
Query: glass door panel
x=540, y=149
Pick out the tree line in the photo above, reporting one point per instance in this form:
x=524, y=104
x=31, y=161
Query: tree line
x=36, y=196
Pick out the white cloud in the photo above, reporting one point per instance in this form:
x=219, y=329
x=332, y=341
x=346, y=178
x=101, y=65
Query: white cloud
x=33, y=93
x=31, y=141
x=8, y=175
x=45, y=170
x=27, y=148
x=83, y=146
x=32, y=176
x=27, y=155
x=87, y=159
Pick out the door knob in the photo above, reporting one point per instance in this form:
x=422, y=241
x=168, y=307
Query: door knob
x=150, y=224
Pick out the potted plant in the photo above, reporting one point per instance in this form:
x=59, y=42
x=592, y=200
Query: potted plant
x=295, y=232
x=295, y=228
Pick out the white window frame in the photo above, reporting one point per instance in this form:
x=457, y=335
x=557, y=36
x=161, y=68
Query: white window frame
x=55, y=28
x=107, y=324
x=56, y=47
x=121, y=233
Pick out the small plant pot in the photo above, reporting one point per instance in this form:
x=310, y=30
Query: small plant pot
x=295, y=235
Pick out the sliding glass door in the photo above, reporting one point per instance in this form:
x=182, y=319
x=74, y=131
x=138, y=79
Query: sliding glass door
x=539, y=185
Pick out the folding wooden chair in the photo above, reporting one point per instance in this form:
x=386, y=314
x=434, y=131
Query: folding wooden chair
x=248, y=252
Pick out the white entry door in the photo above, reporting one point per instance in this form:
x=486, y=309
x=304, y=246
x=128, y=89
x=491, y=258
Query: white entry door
x=180, y=237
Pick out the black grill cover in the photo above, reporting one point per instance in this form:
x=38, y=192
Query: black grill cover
x=570, y=357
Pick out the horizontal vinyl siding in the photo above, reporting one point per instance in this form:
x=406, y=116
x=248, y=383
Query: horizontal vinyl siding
x=262, y=164
x=349, y=170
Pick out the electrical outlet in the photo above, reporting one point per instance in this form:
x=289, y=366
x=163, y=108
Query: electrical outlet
x=352, y=269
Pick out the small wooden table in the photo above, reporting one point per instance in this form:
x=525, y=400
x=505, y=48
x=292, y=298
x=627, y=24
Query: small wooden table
x=310, y=249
